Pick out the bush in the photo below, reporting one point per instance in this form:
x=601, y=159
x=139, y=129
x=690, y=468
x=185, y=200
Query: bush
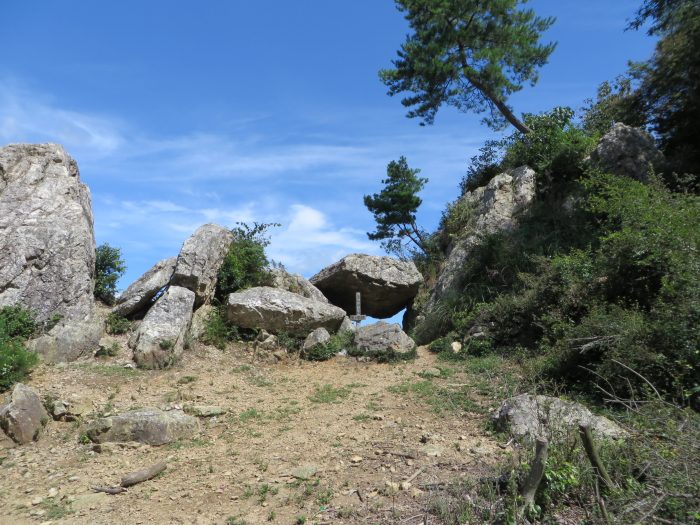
x=109, y=267
x=337, y=342
x=16, y=326
x=116, y=324
x=246, y=264
x=217, y=331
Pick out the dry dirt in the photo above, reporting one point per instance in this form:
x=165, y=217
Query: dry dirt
x=241, y=466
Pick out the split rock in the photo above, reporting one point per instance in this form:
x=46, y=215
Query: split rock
x=141, y=292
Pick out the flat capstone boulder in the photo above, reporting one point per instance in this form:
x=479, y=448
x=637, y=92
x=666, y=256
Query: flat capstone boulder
x=277, y=311
x=22, y=415
x=160, y=338
x=387, y=285
x=527, y=417
x=139, y=295
x=200, y=259
x=146, y=425
x=379, y=338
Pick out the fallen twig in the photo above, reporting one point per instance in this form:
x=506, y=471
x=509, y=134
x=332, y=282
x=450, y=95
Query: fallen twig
x=143, y=475
x=109, y=490
x=415, y=475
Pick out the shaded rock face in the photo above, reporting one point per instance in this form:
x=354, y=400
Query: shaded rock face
x=387, y=285
x=527, y=417
x=47, y=243
x=160, y=338
x=23, y=415
x=295, y=283
x=68, y=341
x=497, y=207
x=146, y=425
x=278, y=310
x=379, y=337
x=628, y=152
x=200, y=259
x=138, y=296
x=318, y=337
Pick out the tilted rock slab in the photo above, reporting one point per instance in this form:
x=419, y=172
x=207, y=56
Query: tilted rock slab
x=200, y=259
x=278, y=310
x=23, y=415
x=295, y=283
x=380, y=337
x=387, y=285
x=147, y=425
x=628, y=152
x=141, y=292
x=527, y=417
x=160, y=338
x=47, y=242
x=497, y=207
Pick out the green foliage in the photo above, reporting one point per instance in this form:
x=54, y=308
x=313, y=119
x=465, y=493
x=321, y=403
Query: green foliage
x=395, y=207
x=329, y=394
x=467, y=54
x=16, y=326
x=615, y=101
x=337, y=342
x=217, y=331
x=109, y=267
x=116, y=324
x=246, y=264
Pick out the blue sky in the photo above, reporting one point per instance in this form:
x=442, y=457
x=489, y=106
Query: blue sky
x=181, y=113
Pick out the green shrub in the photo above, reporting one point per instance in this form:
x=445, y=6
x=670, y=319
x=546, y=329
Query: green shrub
x=109, y=267
x=116, y=324
x=246, y=264
x=16, y=322
x=337, y=342
x=15, y=362
x=217, y=331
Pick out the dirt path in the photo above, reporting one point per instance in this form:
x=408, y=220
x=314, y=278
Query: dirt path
x=352, y=428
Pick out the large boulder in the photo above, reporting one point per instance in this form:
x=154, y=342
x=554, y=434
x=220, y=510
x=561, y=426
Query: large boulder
x=278, y=311
x=497, y=207
x=47, y=243
x=527, y=417
x=293, y=282
x=23, y=415
x=145, y=425
x=387, y=285
x=200, y=259
x=379, y=338
x=628, y=152
x=139, y=295
x=68, y=341
x=160, y=338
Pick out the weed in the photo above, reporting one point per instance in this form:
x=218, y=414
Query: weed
x=360, y=417
x=166, y=344
x=185, y=380
x=329, y=394
x=116, y=324
x=251, y=413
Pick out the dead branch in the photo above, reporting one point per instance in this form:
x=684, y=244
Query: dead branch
x=143, y=475
x=593, y=457
x=109, y=490
x=534, y=477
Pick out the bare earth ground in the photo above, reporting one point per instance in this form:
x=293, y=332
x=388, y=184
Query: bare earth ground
x=358, y=434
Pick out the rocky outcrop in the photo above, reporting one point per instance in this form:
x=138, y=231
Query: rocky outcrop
x=160, y=338
x=627, y=151
x=23, y=415
x=278, y=311
x=199, y=261
x=379, y=338
x=138, y=296
x=527, y=416
x=295, y=283
x=146, y=425
x=496, y=207
x=68, y=341
x=387, y=285
x=47, y=243
x=68, y=409
x=318, y=337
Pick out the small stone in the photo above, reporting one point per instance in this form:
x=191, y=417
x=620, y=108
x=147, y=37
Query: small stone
x=53, y=492
x=404, y=485
x=37, y=500
x=416, y=493
x=205, y=410
x=356, y=459
x=456, y=347
x=378, y=417
x=432, y=451
x=391, y=487
x=305, y=472
x=74, y=478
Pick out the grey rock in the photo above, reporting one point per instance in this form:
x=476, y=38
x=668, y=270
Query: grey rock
x=628, y=152
x=316, y=338
x=23, y=415
x=146, y=425
x=68, y=409
x=497, y=207
x=293, y=282
x=47, y=243
x=346, y=326
x=200, y=318
x=200, y=259
x=305, y=472
x=377, y=338
x=527, y=417
x=68, y=341
x=387, y=285
x=278, y=311
x=140, y=293
x=160, y=338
